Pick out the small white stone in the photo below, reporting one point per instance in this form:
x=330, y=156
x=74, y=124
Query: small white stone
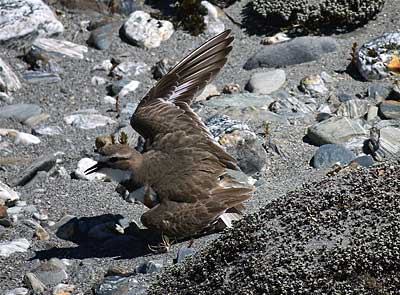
x=110, y=100
x=106, y=65
x=98, y=81
x=26, y=138
x=213, y=24
x=18, y=291
x=130, y=87
x=18, y=245
x=7, y=195
x=86, y=120
x=58, y=47
x=84, y=164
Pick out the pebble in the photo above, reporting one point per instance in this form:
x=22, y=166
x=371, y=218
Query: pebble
x=390, y=109
x=101, y=37
x=64, y=289
x=183, y=253
x=18, y=245
x=34, y=77
x=129, y=68
x=110, y=100
x=18, y=291
x=51, y=272
x=60, y=48
x=41, y=234
x=20, y=112
x=379, y=58
x=128, y=88
x=296, y=51
x=389, y=141
x=354, y=108
x=372, y=113
x=144, y=31
x=98, y=81
x=87, y=119
x=240, y=101
x=48, y=131
x=4, y=97
x=277, y=38
x=8, y=79
x=313, y=85
x=209, y=91
x=329, y=154
x=148, y=267
x=116, y=87
x=84, y=164
x=44, y=163
x=36, y=120
x=113, y=285
x=26, y=138
x=8, y=196
x=25, y=19
x=337, y=130
x=378, y=92
x=364, y=161
x=214, y=25
x=106, y=65
x=266, y=82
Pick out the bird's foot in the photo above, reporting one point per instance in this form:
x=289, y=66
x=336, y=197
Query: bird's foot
x=163, y=247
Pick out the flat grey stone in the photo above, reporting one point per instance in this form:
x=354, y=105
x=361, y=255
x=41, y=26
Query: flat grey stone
x=390, y=109
x=51, y=272
x=34, y=77
x=296, y=51
x=266, y=82
x=337, y=130
x=101, y=38
x=44, y=163
x=60, y=48
x=27, y=19
x=329, y=154
x=20, y=112
x=18, y=245
x=354, y=108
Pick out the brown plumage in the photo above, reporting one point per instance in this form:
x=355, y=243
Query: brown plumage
x=182, y=163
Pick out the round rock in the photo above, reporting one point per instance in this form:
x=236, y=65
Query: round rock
x=329, y=154
x=266, y=82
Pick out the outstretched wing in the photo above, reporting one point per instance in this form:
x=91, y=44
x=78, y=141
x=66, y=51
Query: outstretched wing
x=182, y=83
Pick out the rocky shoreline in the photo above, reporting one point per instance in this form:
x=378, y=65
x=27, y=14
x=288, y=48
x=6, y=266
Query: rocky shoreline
x=289, y=112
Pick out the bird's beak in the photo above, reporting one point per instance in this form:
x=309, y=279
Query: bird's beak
x=95, y=168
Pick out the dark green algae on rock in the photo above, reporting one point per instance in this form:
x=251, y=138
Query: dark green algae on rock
x=336, y=236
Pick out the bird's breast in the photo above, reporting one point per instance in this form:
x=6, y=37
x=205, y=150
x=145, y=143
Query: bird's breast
x=117, y=175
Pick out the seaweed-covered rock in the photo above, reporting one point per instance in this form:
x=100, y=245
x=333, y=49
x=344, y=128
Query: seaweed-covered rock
x=316, y=15
x=337, y=236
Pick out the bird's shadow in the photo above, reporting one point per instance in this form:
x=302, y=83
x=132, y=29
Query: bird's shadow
x=96, y=238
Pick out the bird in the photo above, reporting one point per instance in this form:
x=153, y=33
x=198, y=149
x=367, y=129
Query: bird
x=188, y=178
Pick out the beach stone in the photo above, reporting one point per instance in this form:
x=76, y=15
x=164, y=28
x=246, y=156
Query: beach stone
x=8, y=79
x=113, y=285
x=48, y=131
x=277, y=38
x=290, y=105
x=364, y=161
x=34, y=283
x=110, y=100
x=214, y=25
x=128, y=88
x=22, y=19
x=390, y=109
x=296, y=51
x=116, y=87
x=60, y=48
x=34, y=77
x=20, y=112
x=84, y=164
x=41, y=234
x=129, y=68
x=51, y=272
x=354, y=108
x=337, y=130
x=17, y=245
x=18, y=291
x=96, y=81
x=209, y=91
x=389, y=141
x=329, y=154
x=26, y=138
x=101, y=38
x=87, y=119
x=313, y=85
x=7, y=196
x=372, y=113
x=266, y=82
x=239, y=101
x=44, y=163
x=183, y=253
x=63, y=289
x=36, y=120
x=144, y=31
x=148, y=267
x=379, y=58
x=4, y=97
x=378, y=92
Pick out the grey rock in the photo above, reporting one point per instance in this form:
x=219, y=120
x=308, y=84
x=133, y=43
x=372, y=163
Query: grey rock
x=354, y=108
x=51, y=272
x=148, y=267
x=313, y=85
x=4, y=97
x=377, y=65
x=34, y=77
x=7, y=195
x=287, y=104
x=8, y=79
x=183, y=253
x=60, y=48
x=87, y=119
x=337, y=130
x=48, y=130
x=101, y=38
x=34, y=283
x=372, y=114
x=117, y=86
x=36, y=120
x=389, y=141
x=18, y=291
x=144, y=31
x=378, y=92
x=44, y=163
x=18, y=245
x=266, y=82
x=323, y=116
x=113, y=285
x=26, y=19
x=240, y=100
x=364, y=161
x=296, y=51
x=390, y=109
x=214, y=25
x=20, y=112
x=329, y=154
x=129, y=68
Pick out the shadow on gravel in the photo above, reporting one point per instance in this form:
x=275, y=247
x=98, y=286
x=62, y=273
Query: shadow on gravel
x=101, y=236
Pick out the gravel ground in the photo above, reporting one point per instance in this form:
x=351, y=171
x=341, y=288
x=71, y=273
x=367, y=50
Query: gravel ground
x=59, y=197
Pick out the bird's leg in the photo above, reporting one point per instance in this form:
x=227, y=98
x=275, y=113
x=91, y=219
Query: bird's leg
x=163, y=247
